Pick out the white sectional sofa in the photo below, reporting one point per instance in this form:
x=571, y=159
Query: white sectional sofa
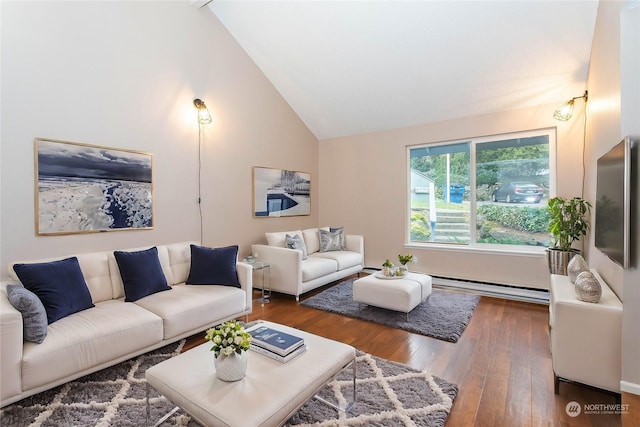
x=294, y=274
x=113, y=330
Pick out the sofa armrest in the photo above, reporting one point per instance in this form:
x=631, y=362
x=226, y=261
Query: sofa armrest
x=11, y=342
x=286, y=267
x=245, y=277
x=355, y=243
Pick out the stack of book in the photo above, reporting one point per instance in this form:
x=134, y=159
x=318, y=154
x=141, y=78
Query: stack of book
x=275, y=344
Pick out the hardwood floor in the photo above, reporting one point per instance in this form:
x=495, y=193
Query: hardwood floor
x=502, y=363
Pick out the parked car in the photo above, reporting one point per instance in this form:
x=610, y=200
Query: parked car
x=512, y=192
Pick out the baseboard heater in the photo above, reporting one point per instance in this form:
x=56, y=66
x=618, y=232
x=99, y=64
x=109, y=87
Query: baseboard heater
x=516, y=293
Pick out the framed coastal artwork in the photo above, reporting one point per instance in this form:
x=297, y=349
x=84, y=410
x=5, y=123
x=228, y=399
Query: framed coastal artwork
x=82, y=188
x=279, y=192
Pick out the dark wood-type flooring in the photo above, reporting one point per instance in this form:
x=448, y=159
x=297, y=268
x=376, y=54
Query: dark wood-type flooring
x=502, y=362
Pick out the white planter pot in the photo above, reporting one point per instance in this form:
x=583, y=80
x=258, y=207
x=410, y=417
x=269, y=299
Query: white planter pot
x=558, y=260
x=231, y=368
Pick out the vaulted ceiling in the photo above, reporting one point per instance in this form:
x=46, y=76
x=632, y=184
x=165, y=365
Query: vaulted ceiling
x=352, y=67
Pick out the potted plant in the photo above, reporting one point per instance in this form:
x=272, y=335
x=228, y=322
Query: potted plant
x=568, y=222
x=404, y=260
x=230, y=344
x=387, y=267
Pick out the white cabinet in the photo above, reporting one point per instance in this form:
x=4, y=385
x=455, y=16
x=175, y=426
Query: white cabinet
x=585, y=337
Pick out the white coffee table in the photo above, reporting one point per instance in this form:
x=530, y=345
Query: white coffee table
x=269, y=394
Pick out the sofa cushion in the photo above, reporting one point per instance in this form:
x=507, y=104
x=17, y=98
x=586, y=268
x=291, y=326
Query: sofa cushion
x=141, y=273
x=86, y=339
x=279, y=238
x=314, y=267
x=95, y=270
x=207, y=305
x=331, y=240
x=213, y=266
x=296, y=242
x=344, y=259
x=179, y=260
x=59, y=285
x=311, y=240
x=34, y=316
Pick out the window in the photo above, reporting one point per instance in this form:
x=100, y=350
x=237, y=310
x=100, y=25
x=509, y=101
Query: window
x=483, y=191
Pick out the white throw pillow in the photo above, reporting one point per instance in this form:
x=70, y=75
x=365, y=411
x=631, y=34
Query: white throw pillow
x=331, y=240
x=278, y=238
x=296, y=242
x=340, y=231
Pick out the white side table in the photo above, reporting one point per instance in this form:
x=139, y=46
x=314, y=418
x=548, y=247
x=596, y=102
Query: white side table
x=585, y=337
x=265, y=285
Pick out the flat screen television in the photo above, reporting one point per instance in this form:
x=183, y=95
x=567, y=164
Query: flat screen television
x=616, y=189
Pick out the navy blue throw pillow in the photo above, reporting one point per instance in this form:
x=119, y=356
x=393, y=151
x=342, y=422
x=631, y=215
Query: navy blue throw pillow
x=59, y=285
x=141, y=273
x=213, y=266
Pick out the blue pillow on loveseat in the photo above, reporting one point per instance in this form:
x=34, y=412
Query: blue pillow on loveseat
x=141, y=273
x=59, y=285
x=213, y=266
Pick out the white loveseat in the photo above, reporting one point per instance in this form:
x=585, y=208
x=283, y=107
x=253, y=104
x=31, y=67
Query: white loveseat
x=293, y=275
x=113, y=330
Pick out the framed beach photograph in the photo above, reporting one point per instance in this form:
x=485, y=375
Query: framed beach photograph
x=82, y=188
x=278, y=192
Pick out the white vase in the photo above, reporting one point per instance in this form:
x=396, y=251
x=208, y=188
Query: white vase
x=231, y=368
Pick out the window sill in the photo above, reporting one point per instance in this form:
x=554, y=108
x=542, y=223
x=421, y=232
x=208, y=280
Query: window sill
x=534, y=251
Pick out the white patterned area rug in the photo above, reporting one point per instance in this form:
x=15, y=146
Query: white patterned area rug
x=388, y=394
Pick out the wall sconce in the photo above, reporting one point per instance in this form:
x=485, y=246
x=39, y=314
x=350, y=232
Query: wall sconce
x=565, y=112
x=203, y=113
x=204, y=117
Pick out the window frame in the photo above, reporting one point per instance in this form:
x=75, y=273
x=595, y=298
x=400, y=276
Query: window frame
x=473, y=245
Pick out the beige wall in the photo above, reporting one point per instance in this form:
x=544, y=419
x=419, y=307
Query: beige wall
x=630, y=101
x=123, y=75
x=363, y=187
x=603, y=125
x=614, y=112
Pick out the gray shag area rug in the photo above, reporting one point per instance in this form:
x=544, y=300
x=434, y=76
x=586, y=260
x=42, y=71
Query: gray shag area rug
x=443, y=315
x=388, y=394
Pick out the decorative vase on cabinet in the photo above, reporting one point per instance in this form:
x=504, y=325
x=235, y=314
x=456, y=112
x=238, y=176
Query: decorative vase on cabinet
x=576, y=265
x=588, y=287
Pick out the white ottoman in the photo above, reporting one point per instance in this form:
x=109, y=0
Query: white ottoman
x=269, y=394
x=393, y=294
